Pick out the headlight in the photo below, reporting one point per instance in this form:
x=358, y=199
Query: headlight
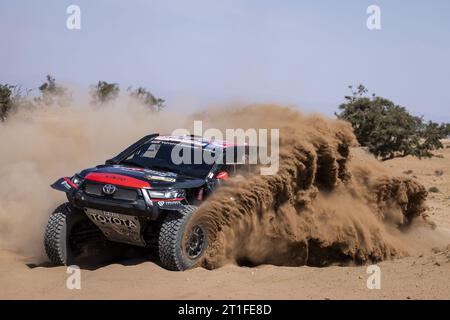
x=166, y=194
x=76, y=180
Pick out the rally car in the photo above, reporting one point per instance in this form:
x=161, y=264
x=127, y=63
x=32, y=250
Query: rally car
x=143, y=197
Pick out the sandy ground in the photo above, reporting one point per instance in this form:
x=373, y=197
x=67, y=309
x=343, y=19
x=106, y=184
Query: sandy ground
x=425, y=275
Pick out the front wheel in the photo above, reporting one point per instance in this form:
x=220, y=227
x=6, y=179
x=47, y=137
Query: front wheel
x=57, y=241
x=71, y=238
x=182, y=241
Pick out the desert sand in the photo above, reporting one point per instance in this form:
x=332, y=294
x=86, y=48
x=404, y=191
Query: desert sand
x=423, y=275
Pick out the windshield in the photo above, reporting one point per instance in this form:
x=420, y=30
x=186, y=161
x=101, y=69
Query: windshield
x=158, y=155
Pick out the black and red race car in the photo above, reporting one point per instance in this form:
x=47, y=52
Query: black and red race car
x=143, y=197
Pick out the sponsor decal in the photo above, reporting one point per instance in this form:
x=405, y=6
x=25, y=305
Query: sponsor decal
x=65, y=184
x=129, y=169
x=148, y=171
x=117, y=227
x=161, y=174
x=199, y=142
x=168, y=203
x=111, y=218
x=161, y=178
x=117, y=179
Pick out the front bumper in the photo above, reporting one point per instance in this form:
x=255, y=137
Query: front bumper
x=113, y=216
x=139, y=207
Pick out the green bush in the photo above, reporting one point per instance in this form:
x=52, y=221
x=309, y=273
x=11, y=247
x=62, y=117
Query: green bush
x=146, y=98
x=5, y=101
x=104, y=92
x=387, y=129
x=51, y=93
x=11, y=96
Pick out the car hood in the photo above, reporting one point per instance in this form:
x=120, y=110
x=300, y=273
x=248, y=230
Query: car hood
x=155, y=179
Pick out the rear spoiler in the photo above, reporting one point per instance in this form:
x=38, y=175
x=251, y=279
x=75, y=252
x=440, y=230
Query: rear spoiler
x=131, y=149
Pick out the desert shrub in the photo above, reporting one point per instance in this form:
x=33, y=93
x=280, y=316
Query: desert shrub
x=389, y=130
x=52, y=93
x=11, y=97
x=145, y=97
x=6, y=103
x=104, y=92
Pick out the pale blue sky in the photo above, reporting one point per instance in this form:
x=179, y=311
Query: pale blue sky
x=297, y=52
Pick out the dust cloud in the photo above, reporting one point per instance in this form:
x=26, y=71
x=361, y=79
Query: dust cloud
x=39, y=146
x=320, y=208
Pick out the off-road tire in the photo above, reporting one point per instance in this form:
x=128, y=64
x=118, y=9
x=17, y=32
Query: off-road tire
x=57, y=231
x=170, y=241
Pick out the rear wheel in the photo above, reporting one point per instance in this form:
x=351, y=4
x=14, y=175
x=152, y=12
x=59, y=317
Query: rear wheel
x=182, y=241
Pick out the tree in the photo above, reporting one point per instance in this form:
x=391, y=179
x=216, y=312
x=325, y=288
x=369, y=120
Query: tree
x=432, y=134
x=387, y=129
x=146, y=98
x=52, y=92
x=10, y=97
x=104, y=92
x=5, y=101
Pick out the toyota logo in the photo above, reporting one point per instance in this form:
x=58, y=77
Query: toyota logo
x=109, y=189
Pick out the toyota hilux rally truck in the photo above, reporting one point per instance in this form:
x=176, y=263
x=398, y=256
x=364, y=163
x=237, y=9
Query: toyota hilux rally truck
x=141, y=198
